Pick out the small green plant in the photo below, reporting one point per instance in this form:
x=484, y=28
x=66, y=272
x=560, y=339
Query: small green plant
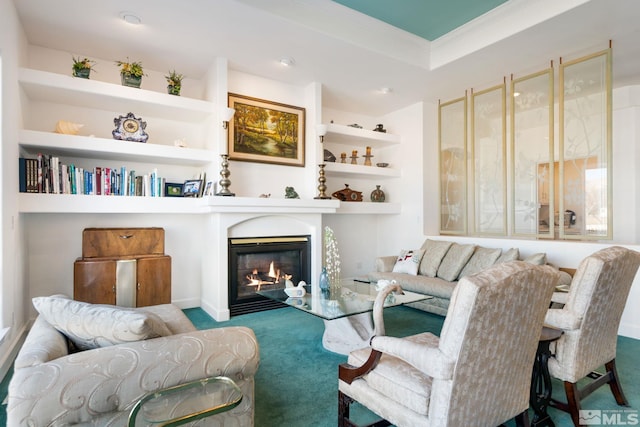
x=130, y=68
x=174, y=81
x=82, y=64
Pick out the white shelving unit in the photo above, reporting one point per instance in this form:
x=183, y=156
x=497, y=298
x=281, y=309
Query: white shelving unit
x=92, y=94
x=34, y=142
x=348, y=138
x=351, y=137
x=46, y=91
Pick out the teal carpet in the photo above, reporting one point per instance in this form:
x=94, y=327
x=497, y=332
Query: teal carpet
x=297, y=385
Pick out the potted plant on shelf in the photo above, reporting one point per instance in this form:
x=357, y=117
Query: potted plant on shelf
x=130, y=73
x=82, y=67
x=174, y=81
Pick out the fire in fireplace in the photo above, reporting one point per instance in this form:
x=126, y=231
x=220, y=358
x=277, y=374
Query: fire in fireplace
x=261, y=263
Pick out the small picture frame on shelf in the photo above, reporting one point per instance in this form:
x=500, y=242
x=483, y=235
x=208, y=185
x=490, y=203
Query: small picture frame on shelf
x=208, y=189
x=172, y=189
x=191, y=188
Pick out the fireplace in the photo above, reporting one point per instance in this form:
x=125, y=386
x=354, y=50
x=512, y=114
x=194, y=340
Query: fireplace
x=262, y=263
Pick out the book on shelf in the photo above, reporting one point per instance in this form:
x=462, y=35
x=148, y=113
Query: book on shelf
x=47, y=174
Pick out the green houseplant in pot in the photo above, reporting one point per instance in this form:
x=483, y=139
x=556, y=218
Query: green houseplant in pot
x=130, y=73
x=82, y=67
x=174, y=83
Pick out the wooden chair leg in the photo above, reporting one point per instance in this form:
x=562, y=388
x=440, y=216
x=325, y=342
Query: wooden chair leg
x=573, y=401
x=614, y=383
x=343, y=409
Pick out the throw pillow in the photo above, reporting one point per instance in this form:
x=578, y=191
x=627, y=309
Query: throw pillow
x=537, y=259
x=512, y=254
x=481, y=259
x=408, y=261
x=434, y=251
x=453, y=262
x=91, y=326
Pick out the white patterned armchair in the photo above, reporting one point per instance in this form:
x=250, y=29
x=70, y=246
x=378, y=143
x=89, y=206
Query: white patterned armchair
x=478, y=373
x=98, y=387
x=590, y=319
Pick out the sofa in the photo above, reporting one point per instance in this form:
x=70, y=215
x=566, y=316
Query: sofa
x=435, y=268
x=109, y=357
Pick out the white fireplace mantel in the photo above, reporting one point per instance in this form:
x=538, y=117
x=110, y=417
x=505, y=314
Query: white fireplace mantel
x=223, y=204
x=231, y=217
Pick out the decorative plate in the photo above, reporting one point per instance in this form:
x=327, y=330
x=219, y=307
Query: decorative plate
x=130, y=128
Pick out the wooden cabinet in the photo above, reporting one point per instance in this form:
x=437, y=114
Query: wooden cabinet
x=123, y=266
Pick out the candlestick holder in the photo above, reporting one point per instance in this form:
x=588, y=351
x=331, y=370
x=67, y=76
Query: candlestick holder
x=322, y=187
x=225, y=182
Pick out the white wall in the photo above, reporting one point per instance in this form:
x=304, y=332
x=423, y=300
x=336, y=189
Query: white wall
x=12, y=48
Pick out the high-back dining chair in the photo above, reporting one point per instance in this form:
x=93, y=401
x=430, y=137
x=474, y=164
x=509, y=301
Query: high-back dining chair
x=477, y=373
x=590, y=319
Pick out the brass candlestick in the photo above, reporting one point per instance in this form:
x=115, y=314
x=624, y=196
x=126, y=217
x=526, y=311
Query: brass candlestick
x=322, y=187
x=225, y=182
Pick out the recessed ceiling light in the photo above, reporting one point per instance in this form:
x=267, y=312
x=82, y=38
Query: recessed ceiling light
x=386, y=90
x=287, y=62
x=130, y=18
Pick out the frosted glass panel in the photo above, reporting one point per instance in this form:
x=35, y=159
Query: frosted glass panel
x=452, y=118
x=585, y=148
x=489, y=167
x=532, y=155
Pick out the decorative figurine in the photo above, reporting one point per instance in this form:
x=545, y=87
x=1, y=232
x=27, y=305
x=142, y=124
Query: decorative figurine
x=380, y=128
x=367, y=157
x=290, y=193
x=343, y=157
x=354, y=157
x=348, y=195
x=377, y=195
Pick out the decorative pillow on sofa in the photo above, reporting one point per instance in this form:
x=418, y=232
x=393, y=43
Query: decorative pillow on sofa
x=408, y=261
x=434, y=251
x=512, y=254
x=453, y=262
x=481, y=259
x=91, y=326
x=537, y=259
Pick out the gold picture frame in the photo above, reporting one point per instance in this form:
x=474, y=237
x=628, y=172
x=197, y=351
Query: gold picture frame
x=266, y=132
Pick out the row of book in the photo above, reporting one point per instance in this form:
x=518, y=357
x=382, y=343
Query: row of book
x=45, y=174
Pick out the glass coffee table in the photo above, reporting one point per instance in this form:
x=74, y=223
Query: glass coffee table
x=183, y=403
x=346, y=311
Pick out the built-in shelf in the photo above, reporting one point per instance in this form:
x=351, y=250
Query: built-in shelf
x=93, y=94
x=34, y=142
x=348, y=135
x=370, y=208
x=78, y=203
x=349, y=170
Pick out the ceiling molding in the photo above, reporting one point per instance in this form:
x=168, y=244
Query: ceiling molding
x=345, y=24
x=504, y=21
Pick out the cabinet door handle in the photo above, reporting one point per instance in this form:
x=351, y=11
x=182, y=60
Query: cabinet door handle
x=114, y=289
x=126, y=236
x=138, y=286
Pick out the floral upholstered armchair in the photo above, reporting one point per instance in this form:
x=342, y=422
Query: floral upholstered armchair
x=477, y=373
x=590, y=319
x=110, y=357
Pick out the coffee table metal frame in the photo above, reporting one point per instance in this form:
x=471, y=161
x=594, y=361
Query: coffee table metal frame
x=229, y=388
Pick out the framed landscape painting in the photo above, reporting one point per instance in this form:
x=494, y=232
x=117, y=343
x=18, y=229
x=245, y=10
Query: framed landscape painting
x=266, y=132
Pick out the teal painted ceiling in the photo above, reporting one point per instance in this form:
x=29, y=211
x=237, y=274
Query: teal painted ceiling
x=428, y=19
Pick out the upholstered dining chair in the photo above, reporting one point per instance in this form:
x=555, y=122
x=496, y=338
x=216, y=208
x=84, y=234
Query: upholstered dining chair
x=477, y=373
x=590, y=319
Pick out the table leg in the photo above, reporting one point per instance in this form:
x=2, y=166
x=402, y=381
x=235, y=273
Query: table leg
x=347, y=333
x=541, y=387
